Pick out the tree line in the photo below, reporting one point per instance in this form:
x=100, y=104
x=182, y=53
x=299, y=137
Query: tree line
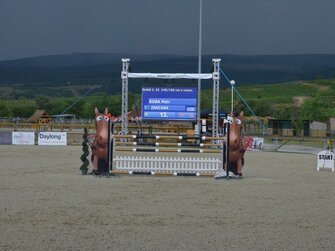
x=315, y=108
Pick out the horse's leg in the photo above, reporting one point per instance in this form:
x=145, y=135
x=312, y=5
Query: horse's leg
x=224, y=158
x=95, y=163
x=239, y=166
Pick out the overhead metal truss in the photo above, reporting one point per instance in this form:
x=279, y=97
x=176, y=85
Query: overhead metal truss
x=125, y=74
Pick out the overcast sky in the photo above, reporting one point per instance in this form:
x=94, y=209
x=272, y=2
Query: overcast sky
x=44, y=27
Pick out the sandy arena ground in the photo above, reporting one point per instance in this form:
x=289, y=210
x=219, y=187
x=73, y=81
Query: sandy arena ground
x=282, y=203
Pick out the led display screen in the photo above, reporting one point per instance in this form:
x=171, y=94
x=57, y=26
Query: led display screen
x=169, y=103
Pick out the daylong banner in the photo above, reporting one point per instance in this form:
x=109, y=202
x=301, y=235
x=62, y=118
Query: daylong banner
x=23, y=138
x=52, y=138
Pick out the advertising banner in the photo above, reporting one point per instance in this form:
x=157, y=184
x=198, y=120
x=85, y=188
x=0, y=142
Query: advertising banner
x=23, y=138
x=258, y=143
x=253, y=143
x=52, y=138
x=5, y=138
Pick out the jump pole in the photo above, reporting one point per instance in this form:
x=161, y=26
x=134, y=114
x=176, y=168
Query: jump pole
x=110, y=146
x=135, y=136
x=134, y=143
x=167, y=150
x=227, y=149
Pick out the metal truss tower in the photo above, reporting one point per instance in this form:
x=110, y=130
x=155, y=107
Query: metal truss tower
x=216, y=94
x=124, y=104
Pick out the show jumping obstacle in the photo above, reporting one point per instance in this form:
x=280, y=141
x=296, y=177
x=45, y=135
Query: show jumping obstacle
x=130, y=163
x=167, y=165
x=103, y=144
x=102, y=152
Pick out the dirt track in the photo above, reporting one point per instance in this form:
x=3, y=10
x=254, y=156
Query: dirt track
x=282, y=203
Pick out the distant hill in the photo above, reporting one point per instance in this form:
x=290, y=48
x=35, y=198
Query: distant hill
x=82, y=69
x=77, y=60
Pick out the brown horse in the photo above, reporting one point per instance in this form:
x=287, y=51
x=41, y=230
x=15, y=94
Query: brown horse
x=100, y=143
x=236, y=146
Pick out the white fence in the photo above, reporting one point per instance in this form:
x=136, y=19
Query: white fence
x=165, y=165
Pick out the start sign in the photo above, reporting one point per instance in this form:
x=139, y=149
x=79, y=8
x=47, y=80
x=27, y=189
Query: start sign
x=326, y=160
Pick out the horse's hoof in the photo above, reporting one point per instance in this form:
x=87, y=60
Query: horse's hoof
x=94, y=172
x=239, y=175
